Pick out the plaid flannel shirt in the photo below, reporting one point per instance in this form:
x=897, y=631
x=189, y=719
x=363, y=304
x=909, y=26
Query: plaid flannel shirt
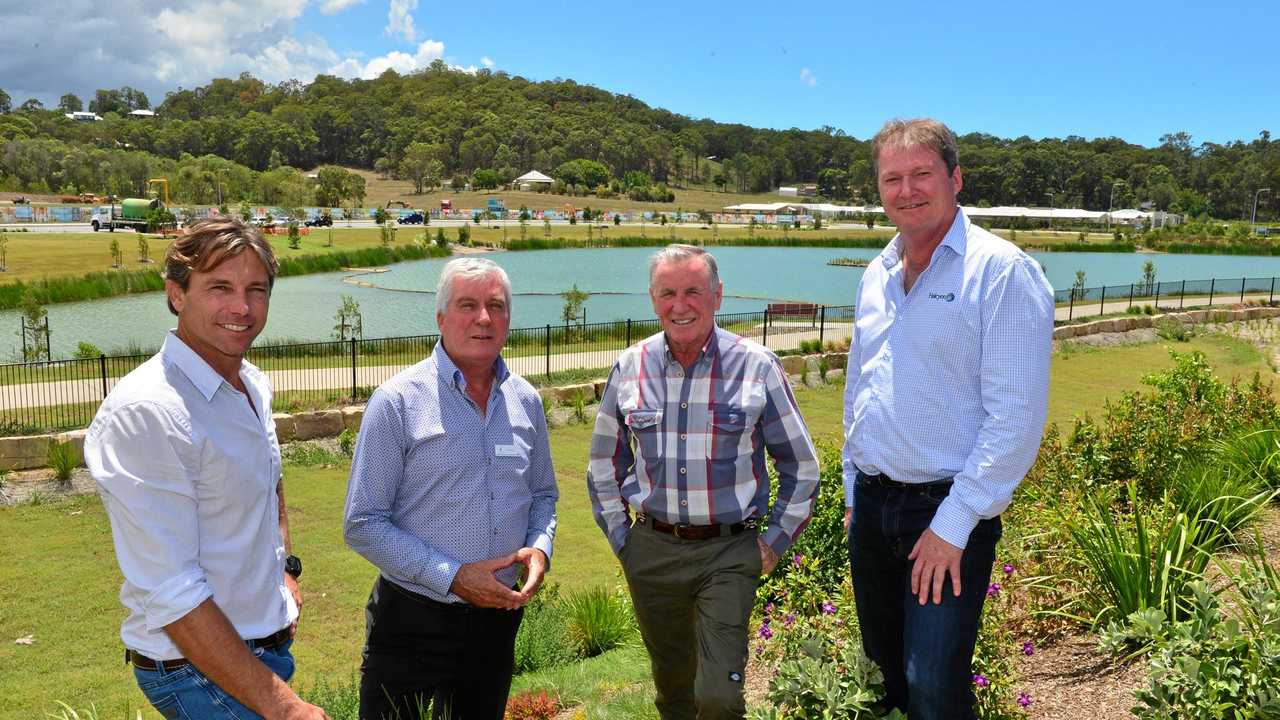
x=687, y=446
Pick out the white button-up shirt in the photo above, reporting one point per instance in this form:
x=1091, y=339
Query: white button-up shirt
x=188, y=473
x=951, y=379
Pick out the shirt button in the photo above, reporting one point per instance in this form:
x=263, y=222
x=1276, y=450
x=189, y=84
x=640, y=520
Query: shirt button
x=684, y=405
x=683, y=471
x=678, y=373
x=684, y=436
x=684, y=503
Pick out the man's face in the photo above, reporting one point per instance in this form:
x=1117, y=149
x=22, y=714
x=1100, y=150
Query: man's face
x=685, y=301
x=917, y=192
x=474, y=325
x=223, y=309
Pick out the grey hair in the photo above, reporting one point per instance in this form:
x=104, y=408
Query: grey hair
x=469, y=268
x=676, y=253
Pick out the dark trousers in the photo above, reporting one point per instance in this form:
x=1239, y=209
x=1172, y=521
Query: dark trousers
x=693, y=600
x=924, y=651
x=418, y=652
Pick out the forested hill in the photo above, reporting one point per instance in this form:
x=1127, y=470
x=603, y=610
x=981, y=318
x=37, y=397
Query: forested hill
x=492, y=121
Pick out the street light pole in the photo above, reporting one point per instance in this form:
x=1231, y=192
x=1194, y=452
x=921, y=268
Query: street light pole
x=1253, y=222
x=1050, y=194
x=1111, y=204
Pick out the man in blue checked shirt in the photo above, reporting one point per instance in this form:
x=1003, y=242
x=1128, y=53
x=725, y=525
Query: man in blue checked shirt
x=678, y=483
x=451, y=490
x=945, y=403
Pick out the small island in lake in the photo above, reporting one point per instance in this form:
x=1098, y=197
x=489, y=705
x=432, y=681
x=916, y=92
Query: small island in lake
x=848, y=262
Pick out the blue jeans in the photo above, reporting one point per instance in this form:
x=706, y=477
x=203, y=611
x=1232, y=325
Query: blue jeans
x=924, y=651
x=186, y=694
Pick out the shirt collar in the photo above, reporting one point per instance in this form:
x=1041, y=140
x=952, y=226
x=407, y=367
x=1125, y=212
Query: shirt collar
x=956, y=239
x=200, y=373
x=449, y=371
x=709, y=349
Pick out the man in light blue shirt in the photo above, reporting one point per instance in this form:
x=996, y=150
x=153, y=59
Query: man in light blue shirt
x=945, y=403
x=451, y=488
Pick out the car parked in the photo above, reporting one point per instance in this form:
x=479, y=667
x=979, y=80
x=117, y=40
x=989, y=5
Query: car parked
x=413, y=218
x=261, y=221
x=325, y=220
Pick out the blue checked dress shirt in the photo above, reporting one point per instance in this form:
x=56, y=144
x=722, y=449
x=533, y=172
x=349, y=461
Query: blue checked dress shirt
x=688, y=446
x=951, y=379
x=435, y=484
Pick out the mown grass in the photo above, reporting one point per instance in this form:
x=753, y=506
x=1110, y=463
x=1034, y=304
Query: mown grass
x=59, y=579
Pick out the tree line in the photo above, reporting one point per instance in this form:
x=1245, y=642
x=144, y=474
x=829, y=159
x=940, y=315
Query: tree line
x=488, y=127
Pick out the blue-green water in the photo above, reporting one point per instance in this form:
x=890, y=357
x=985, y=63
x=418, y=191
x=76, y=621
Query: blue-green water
x=302, y=308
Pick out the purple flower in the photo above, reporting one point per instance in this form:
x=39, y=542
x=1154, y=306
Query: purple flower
x=789, y=620
x=1024, y=699
x=981, y=681
x=1008, y=569
x=759, y=650
x=994, y=590
x=768, y=608
x=1028, y=648
x=839, y=622
x=798, y=560
x=765, y=632
x=828, y=608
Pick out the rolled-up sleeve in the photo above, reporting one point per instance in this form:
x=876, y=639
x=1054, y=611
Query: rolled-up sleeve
x=376, y=473
x=1017, y=334
x=542, y=486
x=787, y=440
x=137, y=455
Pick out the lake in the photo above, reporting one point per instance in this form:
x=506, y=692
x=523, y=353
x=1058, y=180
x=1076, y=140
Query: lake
x=403, y=301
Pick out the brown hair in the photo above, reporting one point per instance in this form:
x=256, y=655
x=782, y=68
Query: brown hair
x=920, y=132
x=208, y=243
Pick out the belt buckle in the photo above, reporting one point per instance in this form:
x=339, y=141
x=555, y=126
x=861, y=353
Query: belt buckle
x=675, y=530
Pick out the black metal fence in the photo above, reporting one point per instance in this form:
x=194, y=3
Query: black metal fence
x=66, y=393
x=1175, y=294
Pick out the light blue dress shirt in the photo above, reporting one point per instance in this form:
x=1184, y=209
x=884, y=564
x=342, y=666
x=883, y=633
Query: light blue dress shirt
x=436, y=484
x=951, y=379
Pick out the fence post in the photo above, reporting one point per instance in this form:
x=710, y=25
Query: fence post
x=1102, y=304
x=102, y=368
x=354, y=386
x=1130, y=294
x=547, y=345
x=822, y=324
x=1071, y=304
x=628, y=332
x=1182, y=294
x=1157, y=300
x=1212, y=281
x=1272, y=296
x=1243, y=280
x=765, y=339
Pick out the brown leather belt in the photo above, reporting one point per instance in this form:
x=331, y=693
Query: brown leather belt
x=142, y=662
x=696, y=532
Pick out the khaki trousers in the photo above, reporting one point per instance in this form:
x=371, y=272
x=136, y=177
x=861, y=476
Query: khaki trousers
x=693, y=601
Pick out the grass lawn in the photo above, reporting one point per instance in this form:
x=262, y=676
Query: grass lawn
x=59, y=580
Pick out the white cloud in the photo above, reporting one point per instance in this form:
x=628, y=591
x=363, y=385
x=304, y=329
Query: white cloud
x=485, y=61
x=403, y=63
x=332, y=7
x=400, y=19
x=807, y=77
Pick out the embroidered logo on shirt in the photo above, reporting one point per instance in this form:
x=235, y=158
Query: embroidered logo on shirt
x=942, y=296
x=735, y=676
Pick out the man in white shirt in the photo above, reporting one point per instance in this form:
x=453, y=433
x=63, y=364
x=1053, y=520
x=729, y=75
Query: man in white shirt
x=185, y=455
x=945, y=402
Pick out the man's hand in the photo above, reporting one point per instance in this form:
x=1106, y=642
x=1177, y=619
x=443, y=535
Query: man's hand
x=536, y=562
x=848, y=518
x=768, y=558
x=304, y=711
x=934, y=558
x=291, y=582
x=476, y=583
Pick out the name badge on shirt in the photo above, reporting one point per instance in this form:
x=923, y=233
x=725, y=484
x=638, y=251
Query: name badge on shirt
x=506, y=451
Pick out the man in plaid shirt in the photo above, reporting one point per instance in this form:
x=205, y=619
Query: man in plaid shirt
x=678, y=483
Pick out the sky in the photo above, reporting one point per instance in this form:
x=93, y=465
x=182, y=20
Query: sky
x=1135, y=70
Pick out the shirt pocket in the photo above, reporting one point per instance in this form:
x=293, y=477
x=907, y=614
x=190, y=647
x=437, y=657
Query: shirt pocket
x=645, y=425
x=725, y=427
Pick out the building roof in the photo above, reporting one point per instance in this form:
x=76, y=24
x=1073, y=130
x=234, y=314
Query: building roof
x=533, y=176
x=142, y=113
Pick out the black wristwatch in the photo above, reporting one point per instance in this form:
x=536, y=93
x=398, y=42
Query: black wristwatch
x=293, y=566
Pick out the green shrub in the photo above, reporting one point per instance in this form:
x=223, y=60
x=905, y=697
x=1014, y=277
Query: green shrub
x=597, y=620
x=1253, y=452
x=341, y=701
x=63, y=458
x=310, y=454
x=1224, y=496
x=543, y=638
x=532, y=706
x=579, y=405
x=1168, y=328
x=347, y=441
x=86, y=351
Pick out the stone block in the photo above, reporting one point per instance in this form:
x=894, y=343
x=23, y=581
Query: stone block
x=599, y=388
x=1253, y=313
x=321, y=423
x=811, y=363
x=813, y=379
x=793, y=364
x=795, y=380
x=1141, y=321
x=76, y=438
x=566, y=395
x=1122, y=324
x=284, y=427
x=24, y=452
x=836, y=360
x=1064, y=332
x=835, y=377
x=351, y=417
